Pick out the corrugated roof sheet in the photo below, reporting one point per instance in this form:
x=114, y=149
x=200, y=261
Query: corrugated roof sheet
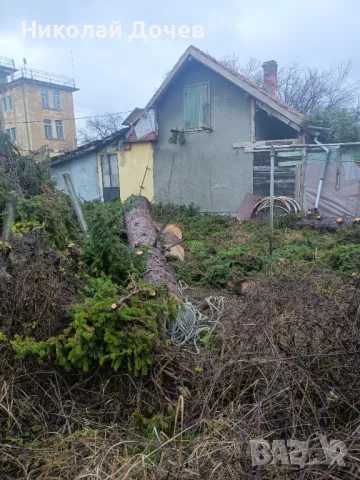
x=96, y=145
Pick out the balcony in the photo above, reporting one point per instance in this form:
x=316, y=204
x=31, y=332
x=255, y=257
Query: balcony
x=41, y=76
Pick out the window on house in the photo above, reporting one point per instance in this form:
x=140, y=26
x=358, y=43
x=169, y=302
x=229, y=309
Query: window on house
x=7, y=103
x=11, y=132
x=44, y=97
x=48, y=129
x=59, y=129
x=197, y=106
x=56, y=99
x=110, y=171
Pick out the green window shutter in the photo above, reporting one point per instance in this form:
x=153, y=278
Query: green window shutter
x=196, y=106
x=189, y=107
x=204, y=110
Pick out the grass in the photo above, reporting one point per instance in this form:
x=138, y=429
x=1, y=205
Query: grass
x=282, y=363
x=221, y=251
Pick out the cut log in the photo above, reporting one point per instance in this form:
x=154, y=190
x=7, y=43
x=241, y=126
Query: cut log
x=141, y=230
x=325, y=223
x=172, y=238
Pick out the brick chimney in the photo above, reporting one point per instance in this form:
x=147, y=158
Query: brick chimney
x=270, y=76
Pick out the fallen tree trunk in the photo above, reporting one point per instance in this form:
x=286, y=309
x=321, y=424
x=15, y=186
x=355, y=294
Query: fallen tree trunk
x=142, y=230
x=327, y=223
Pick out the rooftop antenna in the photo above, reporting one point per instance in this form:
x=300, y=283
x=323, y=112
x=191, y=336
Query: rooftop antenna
x=72, y=65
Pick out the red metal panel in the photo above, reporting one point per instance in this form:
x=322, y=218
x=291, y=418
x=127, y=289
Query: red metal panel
x=247, y=207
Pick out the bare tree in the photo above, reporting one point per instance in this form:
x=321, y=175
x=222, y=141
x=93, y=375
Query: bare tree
x=305, y=89
x=100, y=127
x=251, y=70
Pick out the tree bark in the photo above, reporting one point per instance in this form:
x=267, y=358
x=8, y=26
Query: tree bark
x=142, y=231
x=327, y=223
x=9, y=219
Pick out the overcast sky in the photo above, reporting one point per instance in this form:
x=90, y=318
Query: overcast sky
x=115, y=75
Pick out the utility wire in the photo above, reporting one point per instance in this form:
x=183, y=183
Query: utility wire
x=91, y=107
x=73, y=118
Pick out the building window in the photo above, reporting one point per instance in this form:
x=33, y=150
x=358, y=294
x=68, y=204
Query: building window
x=56, y=99
x=197, y=106
x=44, y=97
x=59, y=129
x=7, y=103
x=48, y=129
x=110, y=170
x=11, y=132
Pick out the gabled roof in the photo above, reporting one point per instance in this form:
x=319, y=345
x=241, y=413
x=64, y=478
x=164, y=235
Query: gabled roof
x=264, y=99
x=93, y=146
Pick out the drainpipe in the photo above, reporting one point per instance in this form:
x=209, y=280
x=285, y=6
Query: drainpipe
x=26, y=120
x=321, y=181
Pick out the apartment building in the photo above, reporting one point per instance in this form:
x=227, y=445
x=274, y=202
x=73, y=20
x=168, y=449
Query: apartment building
x=37, y=109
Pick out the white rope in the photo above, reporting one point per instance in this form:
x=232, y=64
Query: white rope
x=190, y=322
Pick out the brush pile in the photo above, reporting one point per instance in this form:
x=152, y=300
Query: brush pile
x=91, y=392
x=285, y=366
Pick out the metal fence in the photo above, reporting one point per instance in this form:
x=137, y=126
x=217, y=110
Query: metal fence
x=7, y=62
x=33, y=74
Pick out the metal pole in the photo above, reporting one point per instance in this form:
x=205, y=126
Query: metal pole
x=272, y=169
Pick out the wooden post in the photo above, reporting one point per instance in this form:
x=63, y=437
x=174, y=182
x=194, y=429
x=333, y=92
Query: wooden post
x=75, y=202
x=10, y=215
x=253, y=112
x=302, y=178
x=298, y=169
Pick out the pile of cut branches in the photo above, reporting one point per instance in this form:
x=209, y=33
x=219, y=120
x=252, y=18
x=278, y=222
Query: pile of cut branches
x=283, y=364
x=284, y=367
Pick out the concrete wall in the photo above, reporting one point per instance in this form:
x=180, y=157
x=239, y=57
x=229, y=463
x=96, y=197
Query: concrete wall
x=132, y=168
x=36, y=112
x=207, y=170
x=16, y=117
x=84, y=174
x=26, y=97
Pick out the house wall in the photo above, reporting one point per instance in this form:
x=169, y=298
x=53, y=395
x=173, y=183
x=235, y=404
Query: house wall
x=36, y=112
x=17, y=118
x=85, y=172
x=27, y=106
x=84, y=175
x=134, y=164
x=207, y=171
